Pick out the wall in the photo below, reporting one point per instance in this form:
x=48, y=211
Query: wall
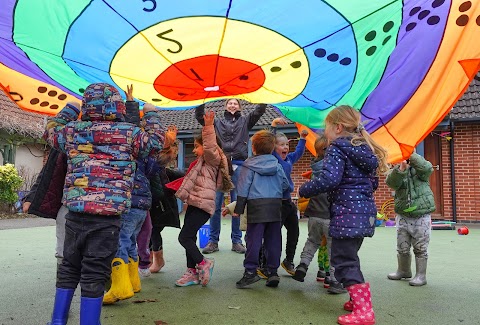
x=466, y=139
x=30, y=159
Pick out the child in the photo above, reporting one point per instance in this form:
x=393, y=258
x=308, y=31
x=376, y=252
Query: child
x=164, y=211
x=289, y=210
x=45, y=197
x=152, y=170
x=125, y=276
x=97, y=191
x=233, y=134
x=261, y=183
x=349, y=175
x=318, y=214
x=205, y=176
x=413, y=204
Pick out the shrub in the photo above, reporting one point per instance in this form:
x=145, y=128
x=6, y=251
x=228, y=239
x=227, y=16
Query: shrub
x=10, y=183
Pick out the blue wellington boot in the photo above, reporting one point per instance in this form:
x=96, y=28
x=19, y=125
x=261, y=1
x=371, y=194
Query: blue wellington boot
x=90, y=310
x=61, y=307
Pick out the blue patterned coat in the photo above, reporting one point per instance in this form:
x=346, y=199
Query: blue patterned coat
x=349, y=177
x=102, y=150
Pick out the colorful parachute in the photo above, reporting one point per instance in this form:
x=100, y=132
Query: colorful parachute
x=402, y=63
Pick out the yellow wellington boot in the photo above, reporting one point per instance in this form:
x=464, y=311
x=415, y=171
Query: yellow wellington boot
x=121, y=286
x=134, y=276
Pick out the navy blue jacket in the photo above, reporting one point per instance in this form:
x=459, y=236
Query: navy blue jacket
x=349, y=177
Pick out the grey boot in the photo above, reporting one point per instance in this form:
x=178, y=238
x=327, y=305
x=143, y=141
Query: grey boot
x=404, y=267
x=420, y=278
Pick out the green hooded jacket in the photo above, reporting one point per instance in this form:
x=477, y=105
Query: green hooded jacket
x=413, y=195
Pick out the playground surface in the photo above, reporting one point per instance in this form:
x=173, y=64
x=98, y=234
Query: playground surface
x=28, y=267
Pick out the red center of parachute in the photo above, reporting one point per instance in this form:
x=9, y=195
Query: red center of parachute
x=209, y=76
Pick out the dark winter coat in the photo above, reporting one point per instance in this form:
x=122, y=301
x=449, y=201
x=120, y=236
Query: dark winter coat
x=233, y=130
x=46, y=194
x=164, y=211
x=318, y=205
x=349, y=177
x=413, y=195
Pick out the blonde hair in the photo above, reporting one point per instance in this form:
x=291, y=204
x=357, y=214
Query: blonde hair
x=279, y=135
x=168, y=154
x=350, y=119
x=263, y=142
x=321, y=143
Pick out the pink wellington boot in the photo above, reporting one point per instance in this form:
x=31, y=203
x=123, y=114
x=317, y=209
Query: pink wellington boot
x=348, y=306
x=362, y=313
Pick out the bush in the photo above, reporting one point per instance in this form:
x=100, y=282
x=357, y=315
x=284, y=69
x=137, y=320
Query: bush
x=10, y=183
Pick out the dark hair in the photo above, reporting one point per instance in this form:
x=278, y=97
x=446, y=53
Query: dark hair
x=263, y=142
x=199, y=139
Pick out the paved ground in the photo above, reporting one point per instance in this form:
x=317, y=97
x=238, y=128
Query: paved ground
x=27, y=268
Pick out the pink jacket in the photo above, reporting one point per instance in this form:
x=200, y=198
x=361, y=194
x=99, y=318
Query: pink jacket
x=200, y=185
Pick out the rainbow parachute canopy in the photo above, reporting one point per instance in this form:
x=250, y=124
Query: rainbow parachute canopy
x=403, y=64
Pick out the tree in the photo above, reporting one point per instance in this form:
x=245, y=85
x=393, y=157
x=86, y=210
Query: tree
x=10, y=183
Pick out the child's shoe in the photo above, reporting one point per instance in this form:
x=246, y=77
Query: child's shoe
x=133, y=273
x=288, y=266
x=300, y=272
x=157, y=261
x=348, y=306
x=205, y=270
x=336, y=287
x=261, y=272
x=248, y=279
x=362, y=306
x=61, y=307
x=273, y=280
x=190, y=278
x=121, y=287
x=90, y=310
x=321, y=274
x=144, y=273
x=326, y=281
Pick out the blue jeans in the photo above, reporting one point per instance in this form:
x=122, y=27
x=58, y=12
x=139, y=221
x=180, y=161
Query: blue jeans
x=215, y=221
x=131, y=224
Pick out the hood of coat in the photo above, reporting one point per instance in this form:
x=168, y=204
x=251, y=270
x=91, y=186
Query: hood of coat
x=262, y=164
x=102, y=102
x=362, y=156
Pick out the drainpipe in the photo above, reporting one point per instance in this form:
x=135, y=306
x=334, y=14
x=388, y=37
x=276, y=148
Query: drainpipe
x=452, y=171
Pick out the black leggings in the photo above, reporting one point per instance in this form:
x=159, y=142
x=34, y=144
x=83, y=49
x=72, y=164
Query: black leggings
x=156, y=239
x=290, y=222
x=194, y=219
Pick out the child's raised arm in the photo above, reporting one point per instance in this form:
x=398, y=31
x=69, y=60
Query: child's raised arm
x=211, y=154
